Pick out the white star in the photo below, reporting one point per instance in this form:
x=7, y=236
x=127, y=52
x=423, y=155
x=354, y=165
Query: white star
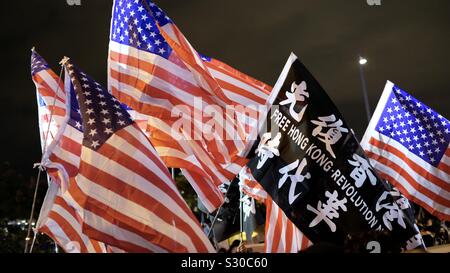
x=121, y=122
x=108, y=131
x=148, y=26
x=162, y=50
x=144, y=17
x=87, y=93
x=89, y=111
x=157, y=42
x=139, y=29
x=117, y=106
x=389, y=110
x=93, y=132
x=95, y=144
x=101, y=95
x=102, y=103
x=140, y=9
x=118, y=113
x=104, y=112
x=78, y=125
x=432, y=160
x=91, y=121
x=422, y=154
x=106, y=120
x=88, y=102
x=381, y=129
x=86, y=85
x=437, y=150
x=394, y=100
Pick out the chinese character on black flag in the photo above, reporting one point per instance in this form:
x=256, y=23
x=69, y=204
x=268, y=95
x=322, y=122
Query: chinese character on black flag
x=312, y=165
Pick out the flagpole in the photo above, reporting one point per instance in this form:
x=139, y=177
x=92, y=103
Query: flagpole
x=241, y=218
x=27, y=239
x=218, y=211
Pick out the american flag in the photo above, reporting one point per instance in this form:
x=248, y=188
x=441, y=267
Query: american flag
x=281, y=235
x=152, y=77
x=123, y=191
x=408, y=143
x=57, y=218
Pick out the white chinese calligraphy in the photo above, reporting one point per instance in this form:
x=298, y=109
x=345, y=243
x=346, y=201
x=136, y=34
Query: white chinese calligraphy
x=393, y=211
x=361, y=171
x=296, y=178
x=267, y=148
x=334, y=133
x=329, y=211
x=248, y=206
x=297, y=93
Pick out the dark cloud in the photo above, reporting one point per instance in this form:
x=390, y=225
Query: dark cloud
x=405, y=41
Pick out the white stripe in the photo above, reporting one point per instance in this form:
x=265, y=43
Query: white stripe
x=154, y=59
x=136, y=211
x=119, y=233
x=135, y=180
x=208, y=205
x=153, y=81
x=67, y=156
x=53, y=84
x=411, y=156
x=271, y=228
x=422, y=181
x=445, y=159
x=409, y=188
x=283, y=245
x=238, y=83
x=76, y=226
x=62, y=237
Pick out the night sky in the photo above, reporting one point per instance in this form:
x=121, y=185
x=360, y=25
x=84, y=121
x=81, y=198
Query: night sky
x=407, y=42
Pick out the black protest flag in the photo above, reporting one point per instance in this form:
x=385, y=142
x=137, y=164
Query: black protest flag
x=313, y=167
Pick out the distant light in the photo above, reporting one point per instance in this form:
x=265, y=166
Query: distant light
x=362, y=61
x=27, y=239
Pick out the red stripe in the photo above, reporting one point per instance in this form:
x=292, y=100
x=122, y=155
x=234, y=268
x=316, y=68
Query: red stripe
x=413, y=165
x=113, y=241
x=70, y=145
x=71, y=233
x=289, y=236
x=413, y=198
x=121, y=220
x=232, y=72
x=156, y=71
x=401, y=172
x=71, y=169
x=128, y=192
